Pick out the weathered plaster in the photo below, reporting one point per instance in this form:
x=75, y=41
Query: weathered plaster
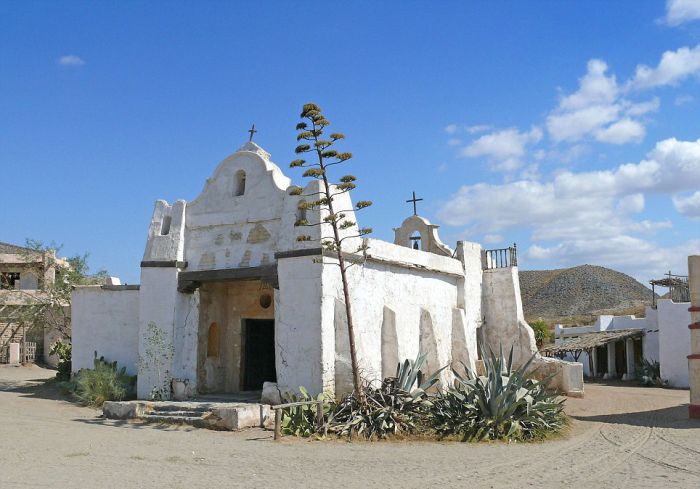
x=404, y=301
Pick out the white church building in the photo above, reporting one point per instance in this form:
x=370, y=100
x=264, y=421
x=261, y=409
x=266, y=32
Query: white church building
x=229, y=299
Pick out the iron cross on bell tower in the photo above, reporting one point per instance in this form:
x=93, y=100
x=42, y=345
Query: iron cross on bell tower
x=414, y=200
x=415, y=239
x=252, y=131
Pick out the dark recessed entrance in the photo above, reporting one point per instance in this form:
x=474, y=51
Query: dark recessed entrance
x=259, y=353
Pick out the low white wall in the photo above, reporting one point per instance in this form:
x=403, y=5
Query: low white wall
x=674, y=341
x=105, y=321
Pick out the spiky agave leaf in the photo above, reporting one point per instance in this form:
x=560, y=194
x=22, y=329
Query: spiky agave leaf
x=503, y=403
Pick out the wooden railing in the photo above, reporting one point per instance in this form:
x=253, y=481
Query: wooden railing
x=501, y=258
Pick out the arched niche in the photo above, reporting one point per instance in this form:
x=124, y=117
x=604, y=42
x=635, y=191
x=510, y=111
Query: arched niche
x=213, y=340
x=239, y=184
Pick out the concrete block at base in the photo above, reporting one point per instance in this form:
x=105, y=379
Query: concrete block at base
x=271, y=394
x=240, y=416
x=572, y=379
x=14, y=354
x=567, y=377
x=123, y=409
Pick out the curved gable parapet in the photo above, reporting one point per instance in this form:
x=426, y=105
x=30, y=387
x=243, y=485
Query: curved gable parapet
x=429, y=239
x=263, y=179
x=235, y=221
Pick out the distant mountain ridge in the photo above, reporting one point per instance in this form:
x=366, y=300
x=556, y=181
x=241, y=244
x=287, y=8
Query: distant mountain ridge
x=580, y=291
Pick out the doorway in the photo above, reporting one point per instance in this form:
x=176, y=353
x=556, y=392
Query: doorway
x=259, y=353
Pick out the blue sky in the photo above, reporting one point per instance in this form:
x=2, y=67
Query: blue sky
x=569, y=127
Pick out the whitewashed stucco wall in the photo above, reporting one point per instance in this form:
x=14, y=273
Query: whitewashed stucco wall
x=105, y=321
x=301, y=352
x=674, y=341
x=419, y=301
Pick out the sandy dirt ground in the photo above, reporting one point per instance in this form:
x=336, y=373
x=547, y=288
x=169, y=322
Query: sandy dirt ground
x=621, y=437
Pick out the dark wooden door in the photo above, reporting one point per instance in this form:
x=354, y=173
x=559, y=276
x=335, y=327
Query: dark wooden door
x=259, y=360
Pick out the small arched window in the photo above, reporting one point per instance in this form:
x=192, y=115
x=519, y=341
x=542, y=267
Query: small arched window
x=213, y=340
x=165, y=225
x=239, y=184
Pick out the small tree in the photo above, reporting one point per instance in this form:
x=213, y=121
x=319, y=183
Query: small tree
x=311, y=131
x=49, y=308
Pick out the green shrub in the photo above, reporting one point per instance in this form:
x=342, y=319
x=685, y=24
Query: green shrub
x=400, y=405
x=103, y=383
x=63, y=350
x=503, y=404
x=301, y=420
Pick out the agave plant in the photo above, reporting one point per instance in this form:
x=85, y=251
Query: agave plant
x=502, y=404
x=399, y=405
x=649, y=374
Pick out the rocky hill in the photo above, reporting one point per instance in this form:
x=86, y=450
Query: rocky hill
x=585, y=290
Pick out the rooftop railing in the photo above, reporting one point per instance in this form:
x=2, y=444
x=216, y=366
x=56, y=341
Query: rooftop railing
x=501, y=258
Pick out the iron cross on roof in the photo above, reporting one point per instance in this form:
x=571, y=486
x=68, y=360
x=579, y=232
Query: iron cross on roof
x=414, y=200
x=252, y=131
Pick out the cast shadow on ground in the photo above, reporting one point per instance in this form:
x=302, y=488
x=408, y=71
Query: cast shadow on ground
x=671, y=417
x=37, y=388
x=132, y=424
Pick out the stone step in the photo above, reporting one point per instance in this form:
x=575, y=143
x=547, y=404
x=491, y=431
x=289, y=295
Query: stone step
x=169, y=407
x=189, y=413
x=197, y=421
x=217, y=416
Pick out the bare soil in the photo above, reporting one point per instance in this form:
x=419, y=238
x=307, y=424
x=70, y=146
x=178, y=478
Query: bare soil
x=620, y=437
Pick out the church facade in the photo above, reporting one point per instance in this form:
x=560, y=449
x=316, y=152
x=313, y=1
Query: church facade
x=230, y=300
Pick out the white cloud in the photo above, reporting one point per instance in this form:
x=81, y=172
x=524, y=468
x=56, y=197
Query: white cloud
x=583, y=212
x=454, y=142
x=451, y=129
x=673, y=68
x=479, y=128
x=680, y=11
x=632, y=203
x=493, y=238
x=688, y=206
x=643, y=259
x=623, y=131
x=683, y=100
x=598, y=110
x=503, y=149
x=595, y=88
x=70, y=60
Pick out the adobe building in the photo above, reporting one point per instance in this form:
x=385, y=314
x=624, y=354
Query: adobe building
x=229, y=299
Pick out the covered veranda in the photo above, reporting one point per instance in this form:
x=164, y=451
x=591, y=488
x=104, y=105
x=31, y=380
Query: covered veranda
x=619, y=353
